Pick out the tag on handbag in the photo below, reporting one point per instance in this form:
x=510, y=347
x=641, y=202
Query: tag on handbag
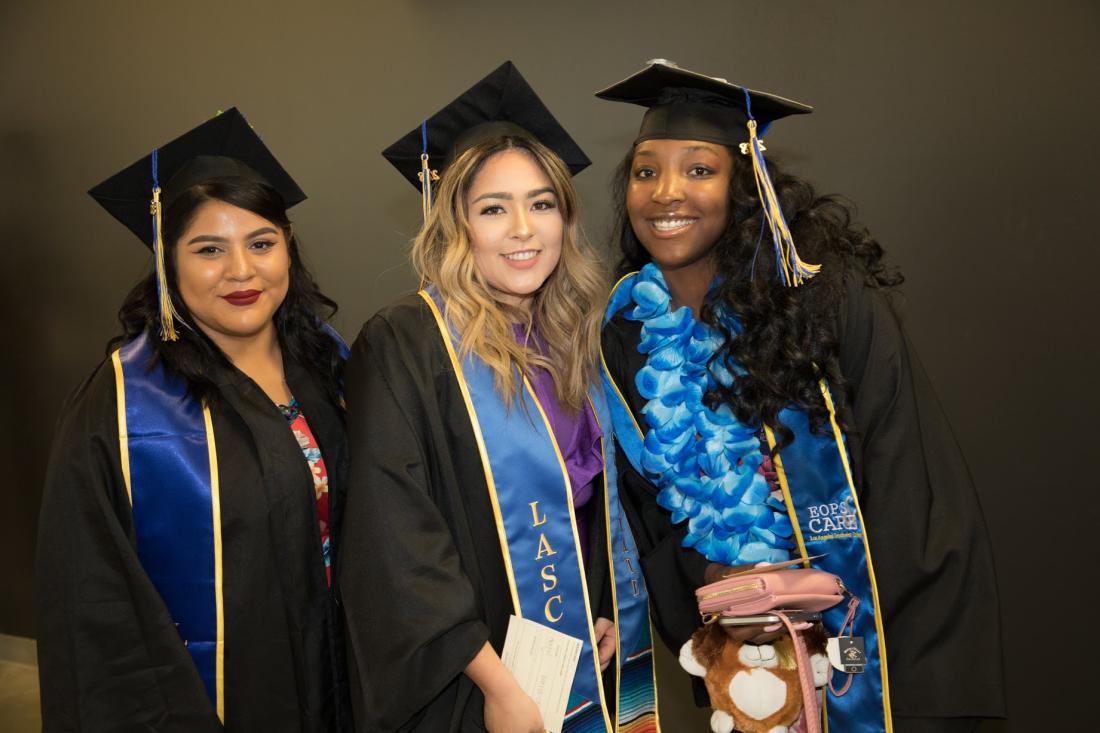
x=846, y=653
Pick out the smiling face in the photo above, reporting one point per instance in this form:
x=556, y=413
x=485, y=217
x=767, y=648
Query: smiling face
x=516, y=226
x=233, y=271
x=678, y=200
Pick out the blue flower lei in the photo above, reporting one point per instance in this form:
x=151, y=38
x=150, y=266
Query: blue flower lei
x=705, y=462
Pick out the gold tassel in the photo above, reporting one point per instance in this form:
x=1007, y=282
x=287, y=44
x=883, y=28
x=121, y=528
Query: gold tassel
x=167, y=310
x=792, y=270
x=427, y=177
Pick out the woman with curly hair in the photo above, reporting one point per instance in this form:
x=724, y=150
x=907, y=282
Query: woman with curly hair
x=483, y=485
x=772, y=408
x=193, y=491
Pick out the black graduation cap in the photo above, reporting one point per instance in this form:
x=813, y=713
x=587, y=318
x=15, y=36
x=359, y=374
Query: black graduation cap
x=687, y=105
x=224, y=146
x=502, y=103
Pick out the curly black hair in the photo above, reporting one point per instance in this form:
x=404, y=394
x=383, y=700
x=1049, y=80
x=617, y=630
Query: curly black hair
x=789, y=340
x=297, y=321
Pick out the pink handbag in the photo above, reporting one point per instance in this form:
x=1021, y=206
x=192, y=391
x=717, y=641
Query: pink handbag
x=761, y=591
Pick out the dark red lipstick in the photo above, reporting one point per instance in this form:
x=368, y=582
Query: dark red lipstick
x=242, y=297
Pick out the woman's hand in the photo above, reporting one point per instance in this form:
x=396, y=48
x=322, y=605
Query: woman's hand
x=508, y=709
x=605, y=640
x=512, y=712
x=755, y=633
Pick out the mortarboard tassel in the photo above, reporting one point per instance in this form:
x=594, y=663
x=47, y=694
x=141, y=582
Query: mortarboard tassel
x=167, y=310
x=792, y=270
x=426, y=175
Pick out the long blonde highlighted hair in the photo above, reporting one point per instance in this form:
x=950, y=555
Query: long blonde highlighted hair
x=567, y=308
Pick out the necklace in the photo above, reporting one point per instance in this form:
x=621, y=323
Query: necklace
x=705, y=463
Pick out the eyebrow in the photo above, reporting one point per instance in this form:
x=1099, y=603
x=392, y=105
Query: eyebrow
x=222, y=240
x=509, y=197
x=692, y=149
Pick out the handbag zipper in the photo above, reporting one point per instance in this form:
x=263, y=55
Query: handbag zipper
x=735, y=589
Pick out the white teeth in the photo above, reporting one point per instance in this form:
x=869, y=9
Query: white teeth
x=520, y=256
x=668, y=225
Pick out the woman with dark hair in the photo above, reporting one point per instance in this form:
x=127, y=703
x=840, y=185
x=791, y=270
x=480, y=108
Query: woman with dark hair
x=771, y=408
x=193, y=492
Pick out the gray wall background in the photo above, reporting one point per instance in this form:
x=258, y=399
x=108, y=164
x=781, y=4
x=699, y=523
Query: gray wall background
x=964, y=131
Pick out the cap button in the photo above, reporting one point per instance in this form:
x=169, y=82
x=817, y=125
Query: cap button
x=662, y=62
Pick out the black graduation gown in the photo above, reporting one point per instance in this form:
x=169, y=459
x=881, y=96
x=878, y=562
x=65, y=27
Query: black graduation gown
x=109, y=655
x=422, y=577
x=929, y=545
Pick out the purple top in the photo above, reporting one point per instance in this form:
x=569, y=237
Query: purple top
x=578, y=438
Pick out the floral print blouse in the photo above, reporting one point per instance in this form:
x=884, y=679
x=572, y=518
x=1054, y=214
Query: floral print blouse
x=312, y=452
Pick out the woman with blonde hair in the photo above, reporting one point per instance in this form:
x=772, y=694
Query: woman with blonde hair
x=483, y=486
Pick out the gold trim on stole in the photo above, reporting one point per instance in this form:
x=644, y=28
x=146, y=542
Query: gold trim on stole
x=219, y=596
x=887, y=711
x=614, y=591
x=123, y=434
x=653, y=665
x=457, y=365
x=781, y=474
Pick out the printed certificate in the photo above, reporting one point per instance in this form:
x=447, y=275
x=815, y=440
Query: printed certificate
x=544, y=662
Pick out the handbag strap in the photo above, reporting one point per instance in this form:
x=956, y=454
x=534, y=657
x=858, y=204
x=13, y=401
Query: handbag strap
x=810, y=708
x=849, y=623
x=811, y=711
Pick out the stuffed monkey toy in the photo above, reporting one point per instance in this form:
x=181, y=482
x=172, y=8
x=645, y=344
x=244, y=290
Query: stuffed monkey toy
x=754, y=688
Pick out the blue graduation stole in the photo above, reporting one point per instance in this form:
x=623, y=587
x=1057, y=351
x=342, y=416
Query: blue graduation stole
x=532, y=501
x=170, y=467
x=815, y=477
